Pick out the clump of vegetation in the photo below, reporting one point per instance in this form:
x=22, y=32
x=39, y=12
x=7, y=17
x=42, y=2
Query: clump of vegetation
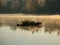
x=29, y=23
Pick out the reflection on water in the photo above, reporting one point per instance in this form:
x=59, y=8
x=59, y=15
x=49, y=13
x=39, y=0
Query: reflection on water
x=49, y=27
x=14, y=27
x=52, y=27
x=11, y=34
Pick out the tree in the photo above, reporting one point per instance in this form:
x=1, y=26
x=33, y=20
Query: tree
x=0, y=4
x=51, y=6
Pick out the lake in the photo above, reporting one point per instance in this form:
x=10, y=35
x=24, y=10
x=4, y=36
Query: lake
x=47, y=34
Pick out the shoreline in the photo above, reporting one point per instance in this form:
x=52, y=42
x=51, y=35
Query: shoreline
x=24, y=15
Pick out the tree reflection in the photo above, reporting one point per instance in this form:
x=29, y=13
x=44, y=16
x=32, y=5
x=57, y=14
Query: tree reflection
x=52, y=27
x=49, y=27
x=31, y=28
x=26, y=28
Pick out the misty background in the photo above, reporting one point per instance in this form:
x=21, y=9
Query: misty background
x=30, y=6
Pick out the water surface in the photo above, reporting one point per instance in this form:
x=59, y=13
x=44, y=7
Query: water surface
x=48, y=34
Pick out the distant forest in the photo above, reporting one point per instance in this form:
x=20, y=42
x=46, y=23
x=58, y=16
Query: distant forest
x=30, y=6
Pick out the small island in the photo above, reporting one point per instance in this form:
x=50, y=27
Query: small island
x=30, y=23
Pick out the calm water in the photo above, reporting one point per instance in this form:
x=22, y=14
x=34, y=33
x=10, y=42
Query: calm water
x=48, y=34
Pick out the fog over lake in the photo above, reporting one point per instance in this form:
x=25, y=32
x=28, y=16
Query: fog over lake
x=47, y=34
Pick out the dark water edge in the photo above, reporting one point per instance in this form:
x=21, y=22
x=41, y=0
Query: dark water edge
x=37, y=12
x=26, y=13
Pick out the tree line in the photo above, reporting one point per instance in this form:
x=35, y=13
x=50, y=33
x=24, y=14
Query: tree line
x=30, y=6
